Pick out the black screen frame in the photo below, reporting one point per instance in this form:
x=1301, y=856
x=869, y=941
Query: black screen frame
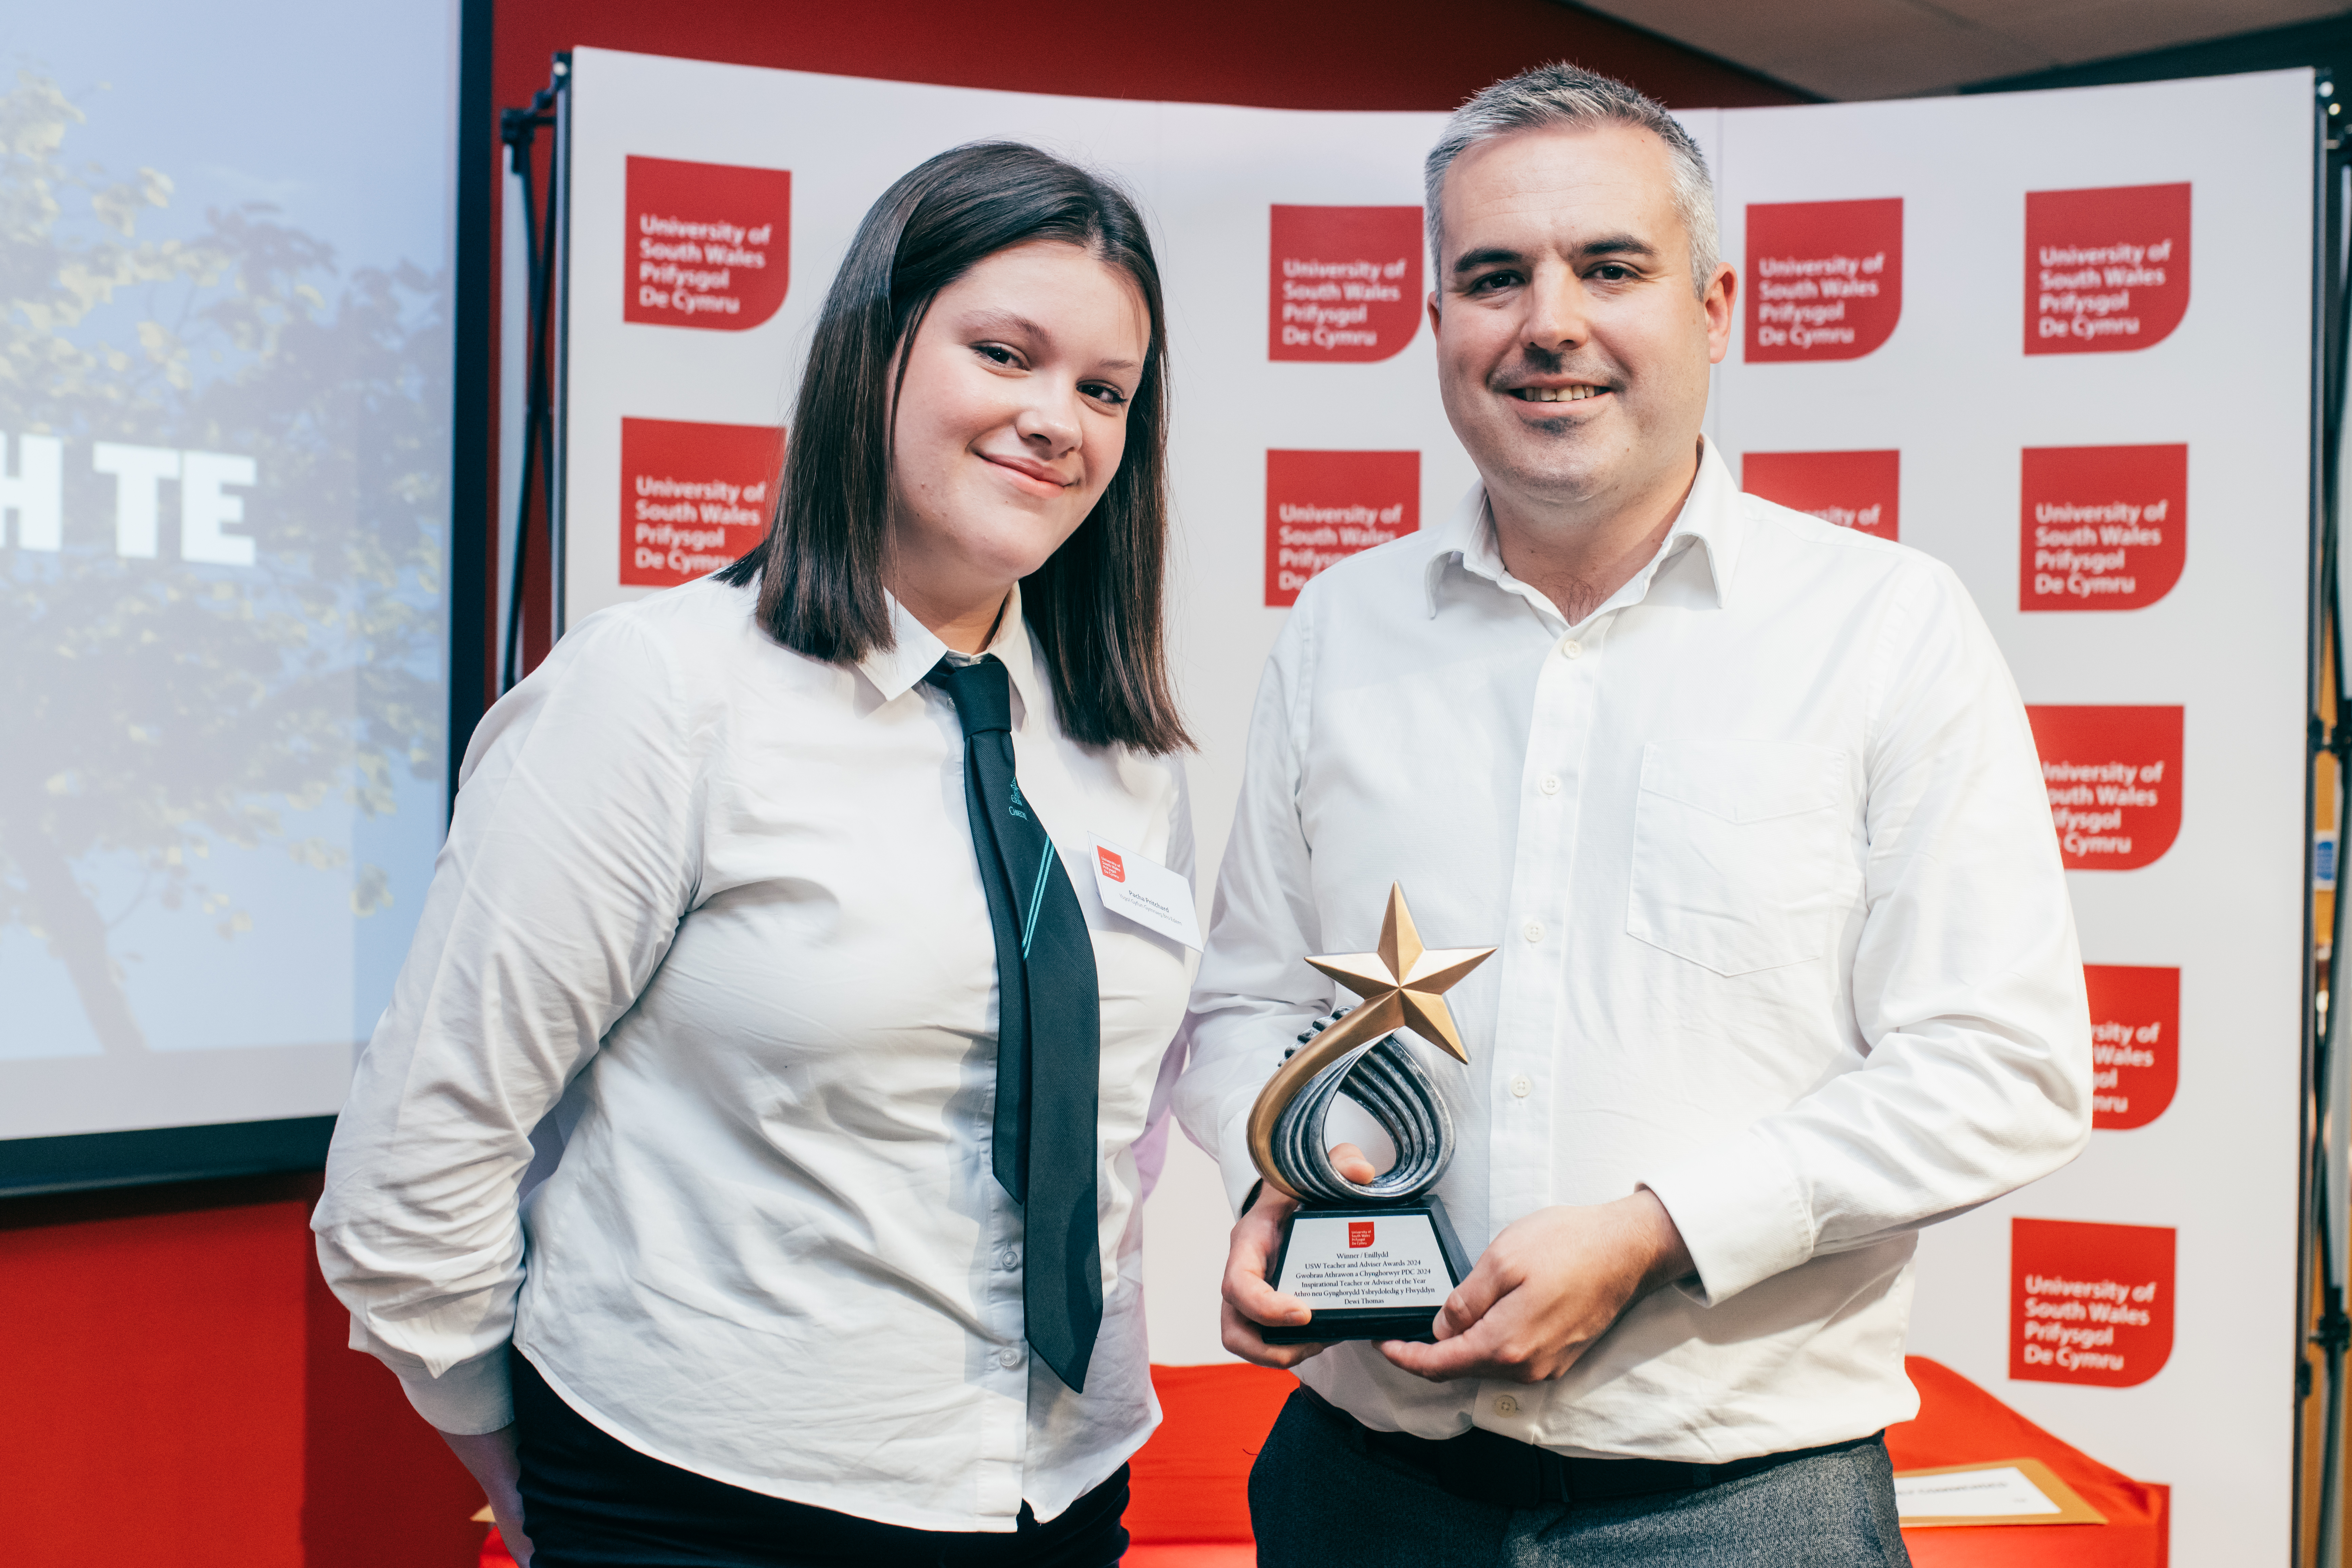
x=148, y=1156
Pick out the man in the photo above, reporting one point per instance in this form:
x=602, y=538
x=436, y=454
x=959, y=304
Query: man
x=1787, y=967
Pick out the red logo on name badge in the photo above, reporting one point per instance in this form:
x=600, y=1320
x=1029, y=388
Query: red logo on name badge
x=1346, y=284
x=2135, y=1042
x=1825, y=277
x=710, y=244
x=1359, y=1233
x=2113, y=778
x=2103, y=528
x=2089, y=1303
x=1860, y=490
x=1112, y=866
x=1323, y=507
x=2105, y=271
x=693, y=497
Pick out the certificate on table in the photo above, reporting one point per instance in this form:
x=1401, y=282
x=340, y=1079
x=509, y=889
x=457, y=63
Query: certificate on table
x=2001, y=1491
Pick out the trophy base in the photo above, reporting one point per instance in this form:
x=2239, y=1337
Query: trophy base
x=1370, y=1271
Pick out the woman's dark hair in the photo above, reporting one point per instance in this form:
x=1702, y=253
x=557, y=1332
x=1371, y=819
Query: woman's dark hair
x=1094, y=605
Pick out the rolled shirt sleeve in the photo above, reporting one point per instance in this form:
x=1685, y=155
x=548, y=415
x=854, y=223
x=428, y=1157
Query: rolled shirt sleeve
x=570, y=858
x=1966, y=982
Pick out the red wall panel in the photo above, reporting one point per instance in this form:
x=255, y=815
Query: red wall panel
x=155, y=1390
x=1379, y=55
x=380, y=1489
x=177, y=1394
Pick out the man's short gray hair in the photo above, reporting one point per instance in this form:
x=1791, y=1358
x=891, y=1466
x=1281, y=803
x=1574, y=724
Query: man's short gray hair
x=1567, y=97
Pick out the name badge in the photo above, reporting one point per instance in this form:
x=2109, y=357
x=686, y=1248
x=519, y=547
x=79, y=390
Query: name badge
x=1146, y=892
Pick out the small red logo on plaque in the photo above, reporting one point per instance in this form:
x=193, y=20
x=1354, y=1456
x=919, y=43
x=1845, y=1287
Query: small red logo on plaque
x=1359, y=1233
x=1112, y=866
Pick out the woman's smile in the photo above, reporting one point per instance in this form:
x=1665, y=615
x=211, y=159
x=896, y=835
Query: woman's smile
x=1028, y=475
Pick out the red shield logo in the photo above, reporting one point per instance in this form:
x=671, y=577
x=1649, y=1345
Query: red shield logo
x=1346, y=285
x=1826, y=279
x=2089, y=1303
x=2103, y=528
x=693, y=497
x=2135, y=1042
x=2113, y=778
x=1860, y=490
x=2105, y=271
x=1359, y=1233
x=710, y=244
x=1323, y=507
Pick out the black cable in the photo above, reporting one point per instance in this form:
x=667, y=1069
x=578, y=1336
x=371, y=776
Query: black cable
x=519, y=129
x=519, y=142
x=2331, y=1334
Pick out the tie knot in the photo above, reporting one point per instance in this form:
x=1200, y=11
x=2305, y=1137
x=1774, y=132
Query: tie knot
x=983, y=693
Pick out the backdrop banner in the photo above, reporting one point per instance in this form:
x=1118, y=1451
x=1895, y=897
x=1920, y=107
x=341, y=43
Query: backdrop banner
x=1968, y=324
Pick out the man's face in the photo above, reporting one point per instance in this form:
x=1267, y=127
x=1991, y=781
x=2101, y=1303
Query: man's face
x=1573, y=351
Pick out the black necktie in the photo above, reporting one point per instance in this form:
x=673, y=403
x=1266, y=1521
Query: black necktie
x=1049, y=1029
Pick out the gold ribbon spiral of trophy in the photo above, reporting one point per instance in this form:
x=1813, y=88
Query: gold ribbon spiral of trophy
x=1376, y=1259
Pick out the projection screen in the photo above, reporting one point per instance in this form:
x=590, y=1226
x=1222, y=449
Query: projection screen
x=223, y=516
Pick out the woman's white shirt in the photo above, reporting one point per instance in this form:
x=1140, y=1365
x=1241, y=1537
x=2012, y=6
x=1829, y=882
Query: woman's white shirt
x=720, y=901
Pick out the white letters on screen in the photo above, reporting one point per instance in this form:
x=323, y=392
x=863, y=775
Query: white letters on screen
x=36, y=492
x=138, y=472
x=203, y=507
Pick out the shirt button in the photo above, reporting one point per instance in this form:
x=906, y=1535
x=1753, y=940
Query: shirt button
x=1521, y=1088
x=1532, y=930
x=1550, y=784
x=1008, y=1258
x=1506, y=1406
x=1009, y=1357
x=1570, y=649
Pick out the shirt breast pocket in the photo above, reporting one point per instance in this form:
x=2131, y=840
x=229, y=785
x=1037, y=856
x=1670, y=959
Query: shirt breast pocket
x=1736, y=846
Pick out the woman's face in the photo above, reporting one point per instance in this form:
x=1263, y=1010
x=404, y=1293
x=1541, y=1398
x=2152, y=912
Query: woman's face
x=1012, y=419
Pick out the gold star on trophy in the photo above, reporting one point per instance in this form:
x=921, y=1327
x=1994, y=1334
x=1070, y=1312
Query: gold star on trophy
x=1402, y=984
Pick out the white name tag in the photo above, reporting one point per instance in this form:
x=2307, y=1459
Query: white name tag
x=2002, y=1490
x=1146, y=892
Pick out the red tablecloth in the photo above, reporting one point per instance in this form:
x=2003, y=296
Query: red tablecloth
x=1190, y=1506
x=1191, y=1488
x=1961, y=1423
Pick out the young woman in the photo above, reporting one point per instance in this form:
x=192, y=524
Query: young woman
x=776, y=890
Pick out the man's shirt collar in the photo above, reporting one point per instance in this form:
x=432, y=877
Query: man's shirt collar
x=1711, y=522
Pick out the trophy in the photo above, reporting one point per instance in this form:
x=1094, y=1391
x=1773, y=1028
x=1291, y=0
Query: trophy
x=1375, y=1260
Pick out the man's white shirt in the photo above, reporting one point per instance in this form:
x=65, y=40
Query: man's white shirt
x=1782, y=936
x=719, y=899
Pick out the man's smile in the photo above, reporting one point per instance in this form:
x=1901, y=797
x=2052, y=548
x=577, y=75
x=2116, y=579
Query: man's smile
x=1556, y=394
